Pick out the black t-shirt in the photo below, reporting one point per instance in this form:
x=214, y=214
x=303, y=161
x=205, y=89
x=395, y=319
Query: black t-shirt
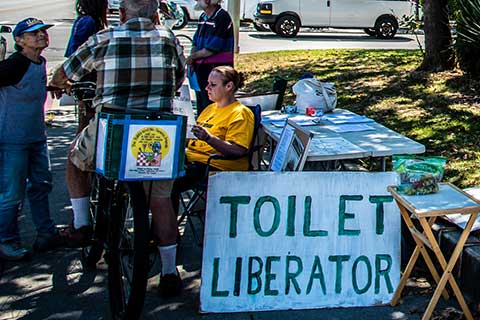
x=13, y=69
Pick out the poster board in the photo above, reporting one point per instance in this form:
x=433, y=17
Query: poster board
x=299, y=240
x=140, y=147
x=292, y=148
x=182, y=105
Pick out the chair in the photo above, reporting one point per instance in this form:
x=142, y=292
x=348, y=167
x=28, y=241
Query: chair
x=192, y=203
x=271, y=100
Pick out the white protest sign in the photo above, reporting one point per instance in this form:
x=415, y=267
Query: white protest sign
x=182, y=105
x=299, y=240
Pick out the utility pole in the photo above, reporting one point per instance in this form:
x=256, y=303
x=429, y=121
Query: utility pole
x=233, y=8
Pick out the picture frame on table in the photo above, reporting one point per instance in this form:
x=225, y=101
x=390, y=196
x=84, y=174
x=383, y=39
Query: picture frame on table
x=292, y=149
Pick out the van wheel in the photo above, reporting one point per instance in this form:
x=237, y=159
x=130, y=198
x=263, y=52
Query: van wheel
x=287, y=26
x=183, y=21
x=370, y=31
x=386, y=27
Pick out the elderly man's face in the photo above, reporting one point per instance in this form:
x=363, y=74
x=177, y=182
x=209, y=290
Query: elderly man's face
x=37, y=39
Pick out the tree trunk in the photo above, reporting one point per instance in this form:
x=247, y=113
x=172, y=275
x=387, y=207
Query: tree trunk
x=439, y=55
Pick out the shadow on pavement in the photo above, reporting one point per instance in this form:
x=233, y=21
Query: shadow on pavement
x=52, y=283
x=332, y=37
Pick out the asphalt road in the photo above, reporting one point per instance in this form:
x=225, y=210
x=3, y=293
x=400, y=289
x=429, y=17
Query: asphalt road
x=61, y=13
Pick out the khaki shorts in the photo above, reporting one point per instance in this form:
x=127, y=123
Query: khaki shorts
x=160, y=188
x=82, y=149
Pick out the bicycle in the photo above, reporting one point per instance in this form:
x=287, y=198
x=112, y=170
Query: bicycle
x=123, y=204
x=120, y=221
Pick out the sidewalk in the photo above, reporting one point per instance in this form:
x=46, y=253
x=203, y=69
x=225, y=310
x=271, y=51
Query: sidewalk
x=56, y=285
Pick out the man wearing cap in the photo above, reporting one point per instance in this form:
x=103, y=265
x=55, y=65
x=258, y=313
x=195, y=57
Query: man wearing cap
x=24, y=161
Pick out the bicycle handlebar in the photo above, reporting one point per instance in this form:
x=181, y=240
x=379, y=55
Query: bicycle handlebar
x=82, y=90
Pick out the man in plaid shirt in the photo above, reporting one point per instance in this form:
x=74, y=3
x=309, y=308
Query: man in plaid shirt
x=139, y=66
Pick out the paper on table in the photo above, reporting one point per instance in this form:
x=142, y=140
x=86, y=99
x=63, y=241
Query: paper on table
x=278, y=124
x=277, y=131
x=341, y=128
x=332, y=146
x=274, y=117
x=303, y=120
x=345, y=117
x=462, y=219
x=280, y=119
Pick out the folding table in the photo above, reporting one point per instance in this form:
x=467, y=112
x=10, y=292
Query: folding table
x=426, y=209
x=379, y=142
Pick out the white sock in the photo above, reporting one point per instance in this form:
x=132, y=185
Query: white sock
x=80, y=207
x=168, y=255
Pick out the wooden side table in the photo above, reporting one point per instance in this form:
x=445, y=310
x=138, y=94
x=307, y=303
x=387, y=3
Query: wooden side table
x=426, y=209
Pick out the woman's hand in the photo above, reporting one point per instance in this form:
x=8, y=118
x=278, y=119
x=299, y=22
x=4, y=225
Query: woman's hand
x=201, y=133
x=190, y=60
x=226, y=148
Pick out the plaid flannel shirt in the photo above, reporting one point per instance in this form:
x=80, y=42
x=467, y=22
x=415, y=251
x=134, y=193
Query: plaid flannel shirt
x=138, y=65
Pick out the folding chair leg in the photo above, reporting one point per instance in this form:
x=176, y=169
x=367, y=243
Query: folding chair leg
x=196, y=237
x=189, y=212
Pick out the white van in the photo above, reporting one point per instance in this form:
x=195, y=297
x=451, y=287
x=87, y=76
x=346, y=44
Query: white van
x=378, y=18
x=248, y=9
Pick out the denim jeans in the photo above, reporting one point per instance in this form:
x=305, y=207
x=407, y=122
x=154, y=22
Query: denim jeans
x=24, y=168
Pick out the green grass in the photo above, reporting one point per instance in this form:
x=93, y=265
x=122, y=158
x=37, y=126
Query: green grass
x=439, y=110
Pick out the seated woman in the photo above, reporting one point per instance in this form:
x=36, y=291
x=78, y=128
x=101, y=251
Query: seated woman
x=224, y=127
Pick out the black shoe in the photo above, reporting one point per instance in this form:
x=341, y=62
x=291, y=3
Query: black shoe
x=45, y=242
x=170, y=285
x=13, y=250
x=77, y=238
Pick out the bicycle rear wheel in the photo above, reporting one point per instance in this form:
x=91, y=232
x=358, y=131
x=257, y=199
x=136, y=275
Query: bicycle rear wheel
x=127, y=251
x=93, y=252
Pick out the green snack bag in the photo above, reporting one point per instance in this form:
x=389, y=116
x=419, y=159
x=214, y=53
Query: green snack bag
x=418, y=174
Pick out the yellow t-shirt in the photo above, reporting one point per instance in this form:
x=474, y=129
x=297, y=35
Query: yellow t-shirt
x=233, y=123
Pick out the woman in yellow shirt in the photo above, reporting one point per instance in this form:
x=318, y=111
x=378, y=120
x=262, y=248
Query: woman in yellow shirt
x=224, y=127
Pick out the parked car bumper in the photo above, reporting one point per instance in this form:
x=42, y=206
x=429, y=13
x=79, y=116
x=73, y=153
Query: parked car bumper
x=265, y=18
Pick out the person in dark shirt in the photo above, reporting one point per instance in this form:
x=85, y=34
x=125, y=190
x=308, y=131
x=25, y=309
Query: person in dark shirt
x=91, y=18
x=24, y=161
x=212, y=46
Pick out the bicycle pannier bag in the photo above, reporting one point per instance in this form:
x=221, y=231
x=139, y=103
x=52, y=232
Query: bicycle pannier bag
x=140, y=147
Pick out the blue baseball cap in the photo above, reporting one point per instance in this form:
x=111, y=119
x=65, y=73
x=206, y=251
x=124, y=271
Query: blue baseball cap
x=29, y=25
